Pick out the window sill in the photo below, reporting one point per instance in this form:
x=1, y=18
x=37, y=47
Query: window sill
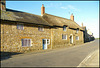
x=26, y=46
x=64, y=39
x=41, y=31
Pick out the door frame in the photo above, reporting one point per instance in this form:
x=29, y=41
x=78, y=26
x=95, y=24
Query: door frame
x=71, y=39
x=44, y=45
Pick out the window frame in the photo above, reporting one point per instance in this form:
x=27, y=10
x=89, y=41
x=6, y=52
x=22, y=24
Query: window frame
x=21, y=26
x=47, y=42
x=26, y=42
x=63, y=37
x=40, y=28
x=64, y=28
x=77, y=30
x=77, y=37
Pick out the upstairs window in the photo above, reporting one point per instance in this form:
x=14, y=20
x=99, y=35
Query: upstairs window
x=64, y=28
x=64, y=36
x=26, y=42
x=77, y=30
x=77, y=37
x=40, y=28
x=20, y=26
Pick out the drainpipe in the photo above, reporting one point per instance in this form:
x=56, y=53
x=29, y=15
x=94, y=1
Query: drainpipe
x=51, y=38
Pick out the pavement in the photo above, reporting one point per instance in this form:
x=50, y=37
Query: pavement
x=92, y=60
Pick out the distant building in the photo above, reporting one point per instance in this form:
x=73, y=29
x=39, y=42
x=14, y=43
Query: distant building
x=88, y=35
x=21, y=31
x=91, y=37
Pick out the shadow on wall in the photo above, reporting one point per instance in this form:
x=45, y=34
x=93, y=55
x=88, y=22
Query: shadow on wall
x=92, y=39
x=7, y=55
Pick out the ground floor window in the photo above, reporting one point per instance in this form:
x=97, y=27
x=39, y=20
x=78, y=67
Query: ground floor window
x=26, y=42
x=77, y=37
x=64, y=36
x=48, y=41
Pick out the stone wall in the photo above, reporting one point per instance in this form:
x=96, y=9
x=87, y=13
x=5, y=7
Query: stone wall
x=59, y=42
x=11, y=37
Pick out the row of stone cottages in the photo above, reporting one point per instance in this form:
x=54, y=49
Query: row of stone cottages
x=21, y=31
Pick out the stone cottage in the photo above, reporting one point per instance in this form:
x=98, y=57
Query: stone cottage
x=21, y=31
x=88, y=35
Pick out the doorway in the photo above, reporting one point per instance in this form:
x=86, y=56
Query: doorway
x=71, y=39
x=44, y=44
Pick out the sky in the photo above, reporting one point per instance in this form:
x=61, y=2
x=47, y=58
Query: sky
x=86, y=12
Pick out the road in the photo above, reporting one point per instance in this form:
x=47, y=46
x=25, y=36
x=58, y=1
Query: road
x=66, y=57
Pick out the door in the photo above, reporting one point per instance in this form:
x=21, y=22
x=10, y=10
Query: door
x=44, y=44
x=71, y=39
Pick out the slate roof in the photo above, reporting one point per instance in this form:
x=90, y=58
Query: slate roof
x=46, y=19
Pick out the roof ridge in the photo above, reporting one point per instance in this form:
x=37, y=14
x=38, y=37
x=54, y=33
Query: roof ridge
x=11, y=10
x=78, y=26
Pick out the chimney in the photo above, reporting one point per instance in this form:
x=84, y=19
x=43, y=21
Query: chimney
x=72, y=17
x=42, y=10
x=82, y=24
x=3, y=5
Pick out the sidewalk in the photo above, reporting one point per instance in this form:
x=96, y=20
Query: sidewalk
x=92, y=60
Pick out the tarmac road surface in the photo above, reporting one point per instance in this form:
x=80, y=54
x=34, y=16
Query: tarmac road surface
x=64, y=57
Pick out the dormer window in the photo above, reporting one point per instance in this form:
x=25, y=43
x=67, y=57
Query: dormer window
x=64, y=28
x=20, y=26
x=77, y=30
x=40, y=28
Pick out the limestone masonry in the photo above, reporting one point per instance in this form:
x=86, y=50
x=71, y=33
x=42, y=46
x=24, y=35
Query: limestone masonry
x=21, y=31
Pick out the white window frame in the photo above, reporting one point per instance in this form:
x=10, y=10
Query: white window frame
x=40, y=29
x=20, y=25
x=64, y=28
x=64, y=38
x=27, y=43
x=77, y=30
x=77, y=37
x=47, y=41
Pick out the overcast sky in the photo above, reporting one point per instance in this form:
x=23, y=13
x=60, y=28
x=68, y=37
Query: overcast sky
x=83, y=11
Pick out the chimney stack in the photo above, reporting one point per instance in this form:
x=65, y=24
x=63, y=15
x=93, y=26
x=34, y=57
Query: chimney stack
x=3, y=5
x=82, y=24
x=72, y=17
x=42, y=10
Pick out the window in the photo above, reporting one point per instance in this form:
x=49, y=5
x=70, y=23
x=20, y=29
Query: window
x=40, y=28
x=64, y=28
x=20, y=26
x=48, y=41
x=77, y=37
x=64, y=36
x=77, y=30
x=26, y=42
